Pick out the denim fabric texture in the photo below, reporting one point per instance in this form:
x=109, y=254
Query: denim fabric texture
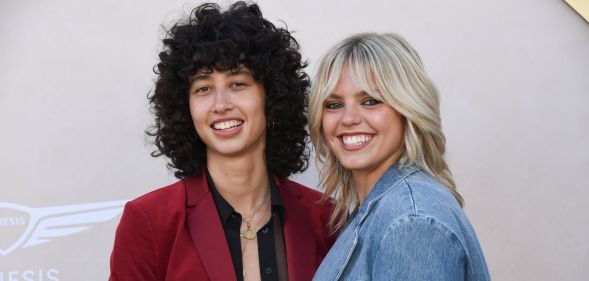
x=409, y=227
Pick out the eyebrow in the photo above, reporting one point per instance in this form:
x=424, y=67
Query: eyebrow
x=356, y=94
x=207, y=75
x=240, y=71
x=199, y=77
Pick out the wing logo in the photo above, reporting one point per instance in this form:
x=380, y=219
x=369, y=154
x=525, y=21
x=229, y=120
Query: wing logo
x=24, y=227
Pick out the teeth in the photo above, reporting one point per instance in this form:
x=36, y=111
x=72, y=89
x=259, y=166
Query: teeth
x=356, y=140
x=226, y=125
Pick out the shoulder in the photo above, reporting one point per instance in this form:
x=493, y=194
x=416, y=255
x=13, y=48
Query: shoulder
x=420, y=219
x=155, y=197
x=147, y=230
x=318, y=208
x=316, y=211
x=160, y=202
x=425, y=206
x=419, y=194
x=302, y=192
x=155, y=213
x=311, y=199
x=420, y=197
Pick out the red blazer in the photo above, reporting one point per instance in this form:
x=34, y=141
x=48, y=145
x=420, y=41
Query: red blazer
x=174, y=233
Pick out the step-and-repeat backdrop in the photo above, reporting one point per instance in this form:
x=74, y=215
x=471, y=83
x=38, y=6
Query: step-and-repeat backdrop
x=74, y=76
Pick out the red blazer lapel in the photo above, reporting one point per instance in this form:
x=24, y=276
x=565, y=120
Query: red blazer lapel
x=206, y=231
x=298, y=235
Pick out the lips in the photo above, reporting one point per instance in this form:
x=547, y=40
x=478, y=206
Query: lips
x=226, y=125
x=356, y=141
x=227, y=128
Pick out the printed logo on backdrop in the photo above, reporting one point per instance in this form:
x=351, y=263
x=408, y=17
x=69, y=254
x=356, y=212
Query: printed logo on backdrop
x=24, y=227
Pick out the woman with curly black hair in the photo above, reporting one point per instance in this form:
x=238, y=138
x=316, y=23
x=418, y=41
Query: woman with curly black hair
x=229, y=104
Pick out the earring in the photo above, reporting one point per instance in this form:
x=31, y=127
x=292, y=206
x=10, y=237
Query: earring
x=340, y=171
x=272, y=124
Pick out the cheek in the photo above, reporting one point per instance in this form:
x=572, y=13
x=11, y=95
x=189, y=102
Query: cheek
x=395, y=125
x=256, y=114
x=255, y=104
x=194, y=112
x=198, y=114
x=328, y=123
x=257, y=98
x=398, y=123
x=259, y=108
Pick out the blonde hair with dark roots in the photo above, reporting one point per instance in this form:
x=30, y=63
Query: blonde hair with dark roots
x=386, y=67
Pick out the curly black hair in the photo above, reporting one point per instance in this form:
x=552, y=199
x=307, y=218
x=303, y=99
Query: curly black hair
x=226, y=40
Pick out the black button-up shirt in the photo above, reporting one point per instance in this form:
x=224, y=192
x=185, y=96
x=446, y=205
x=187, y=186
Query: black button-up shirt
x=231, y=222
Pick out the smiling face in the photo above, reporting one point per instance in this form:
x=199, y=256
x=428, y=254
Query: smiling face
x=227, y=109
x=365, y=134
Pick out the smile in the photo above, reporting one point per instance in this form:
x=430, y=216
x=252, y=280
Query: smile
x=356, y=140
x=227, y=125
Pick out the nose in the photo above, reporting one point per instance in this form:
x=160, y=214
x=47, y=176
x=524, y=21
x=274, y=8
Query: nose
x=351, y=116
x=222, y=101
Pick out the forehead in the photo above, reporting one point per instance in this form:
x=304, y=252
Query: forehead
x=354, y=81
x=347, y=81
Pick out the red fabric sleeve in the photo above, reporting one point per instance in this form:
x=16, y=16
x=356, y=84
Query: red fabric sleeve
x=134, y=254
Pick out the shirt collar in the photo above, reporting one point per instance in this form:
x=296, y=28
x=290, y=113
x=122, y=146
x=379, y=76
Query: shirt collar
x=225, y=209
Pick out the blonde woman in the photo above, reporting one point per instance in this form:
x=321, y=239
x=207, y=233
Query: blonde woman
x=375, y=123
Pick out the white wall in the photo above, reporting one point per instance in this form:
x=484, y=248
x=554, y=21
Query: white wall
x=515, y=105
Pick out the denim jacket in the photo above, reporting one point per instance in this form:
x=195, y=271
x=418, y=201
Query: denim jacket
x=408, y=228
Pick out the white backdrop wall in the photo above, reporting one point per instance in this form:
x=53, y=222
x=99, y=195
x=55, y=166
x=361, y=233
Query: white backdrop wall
x=515, y=105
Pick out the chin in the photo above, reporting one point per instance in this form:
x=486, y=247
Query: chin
x=229, y=150
x=355, y=164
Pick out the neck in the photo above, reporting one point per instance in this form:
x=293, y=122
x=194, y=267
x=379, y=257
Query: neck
x=364, y=180
x=242, y=181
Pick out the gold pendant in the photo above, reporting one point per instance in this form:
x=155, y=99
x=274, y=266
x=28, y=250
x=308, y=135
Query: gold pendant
x=249, y=234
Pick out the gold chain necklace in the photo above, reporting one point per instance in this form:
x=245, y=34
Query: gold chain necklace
x=250, y=233
x=260, y=220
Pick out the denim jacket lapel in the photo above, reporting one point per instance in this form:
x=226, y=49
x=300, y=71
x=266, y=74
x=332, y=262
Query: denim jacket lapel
x=388, y=181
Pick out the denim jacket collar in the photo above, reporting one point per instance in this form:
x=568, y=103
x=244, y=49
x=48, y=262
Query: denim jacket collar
x=386, y=182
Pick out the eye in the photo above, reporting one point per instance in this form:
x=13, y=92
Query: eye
x=202, y=90
x=333, y=105
x=238, y=85
x=371, y=102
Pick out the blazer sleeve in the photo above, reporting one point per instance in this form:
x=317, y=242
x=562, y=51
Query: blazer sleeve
x=419, y=249
x=133, y=256
x=328, y=238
